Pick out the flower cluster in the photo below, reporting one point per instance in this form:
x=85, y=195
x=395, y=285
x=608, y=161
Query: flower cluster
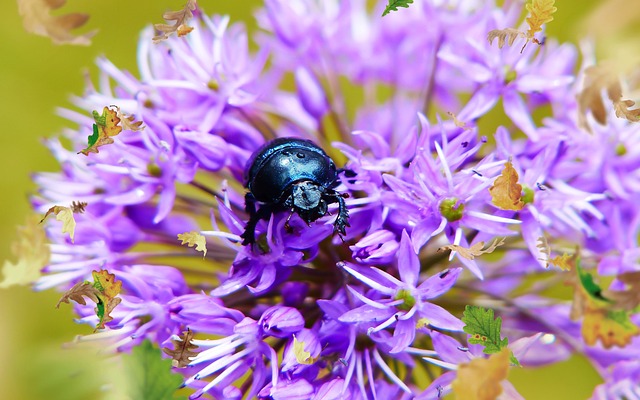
x=441, y=114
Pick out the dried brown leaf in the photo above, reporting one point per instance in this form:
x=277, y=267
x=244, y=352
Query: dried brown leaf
x=540, y=13
x=37, y=19
x=474, y=251
x=106, y=126
x=182, y=349
x=611, y=328
x=78, y=292
x=180, y=18
x=596, y=79
x=544, y=248
x=192, y=239
x=302, y=356
x=78, y=207
x=629, y=298
x=32, y=252
x=129, y=123
x=622, y=109
x=506, y=192
x=605, y=319
x=106, y=283
x=108, y=287
x=564, y=262
x=104, y=315
x=481, y=379
x=507, y=35
x=457, y=122
x=64, y=215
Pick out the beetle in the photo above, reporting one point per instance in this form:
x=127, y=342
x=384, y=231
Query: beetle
x=296, y=175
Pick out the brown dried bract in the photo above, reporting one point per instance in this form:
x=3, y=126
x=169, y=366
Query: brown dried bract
x=129, y=123
x=507, y=35
x=540, y=13
x=481, y=379
x=474, y=251
x=78, y=207
x=543, y=246
x=182, y=349
x=598, y=78
x=180, y=27
x=629, y=298
x=31, y=248
x=623, y=110
x=78, y=292
x=506, y=192
x=37, y=19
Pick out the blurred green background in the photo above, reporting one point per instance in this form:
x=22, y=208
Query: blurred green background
x=35, y=78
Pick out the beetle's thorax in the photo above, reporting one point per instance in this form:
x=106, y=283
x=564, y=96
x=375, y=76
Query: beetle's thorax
x=306, y=195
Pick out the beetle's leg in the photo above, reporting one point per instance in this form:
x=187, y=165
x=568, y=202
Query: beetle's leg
x=250, y=203
x=249, y=235
x=342, y=220
x=348, y=173
x=288, y=227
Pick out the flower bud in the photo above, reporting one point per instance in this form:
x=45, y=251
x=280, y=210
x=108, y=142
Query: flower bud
x=310, y=93
x=281, y=321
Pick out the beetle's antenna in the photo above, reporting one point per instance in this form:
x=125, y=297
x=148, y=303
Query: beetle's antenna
x=288, y=227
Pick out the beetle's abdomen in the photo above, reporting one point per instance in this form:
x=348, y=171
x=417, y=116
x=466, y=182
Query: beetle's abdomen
x=288, y=166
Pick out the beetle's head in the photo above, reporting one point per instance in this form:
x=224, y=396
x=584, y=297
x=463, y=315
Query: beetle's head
x=307, y=200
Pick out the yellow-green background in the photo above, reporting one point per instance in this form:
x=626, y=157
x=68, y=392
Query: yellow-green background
x=37, y=76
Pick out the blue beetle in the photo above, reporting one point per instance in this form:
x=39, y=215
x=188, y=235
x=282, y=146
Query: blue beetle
x=296, y=175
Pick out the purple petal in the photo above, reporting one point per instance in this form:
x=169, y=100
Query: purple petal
x=266, y=279
x=439, y=317
x=209, y=150
x=403, y=335
x=479, y=104
x=281, y=321
x=366, y=313
x=515, y=108
x=406, y=150
x=408, y=262
x=332, y=309
x=531, y=232
x=439, y=284
x=298, y=389
x=165, y=205
x=436, y=389
x=509, y=392
x=378, y=145
x=310, y=92
x=424, y=230
x=331, y=390
x=449, y=349
x=136, y=195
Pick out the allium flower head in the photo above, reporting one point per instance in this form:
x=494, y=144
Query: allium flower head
x=302, y=313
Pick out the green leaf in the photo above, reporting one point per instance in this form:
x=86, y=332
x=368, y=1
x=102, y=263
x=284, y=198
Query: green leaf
x=485, y=330
x=622, y=317
x=101, y=119
x=513, y=360
x=394, y=4
x=586, y=279
x=149, y=375
x=93, y=138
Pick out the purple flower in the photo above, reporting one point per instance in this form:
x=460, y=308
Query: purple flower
x=281, y=321
x=402, y=302
x=622, y=383
x=303, y=314
x=231, y=357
